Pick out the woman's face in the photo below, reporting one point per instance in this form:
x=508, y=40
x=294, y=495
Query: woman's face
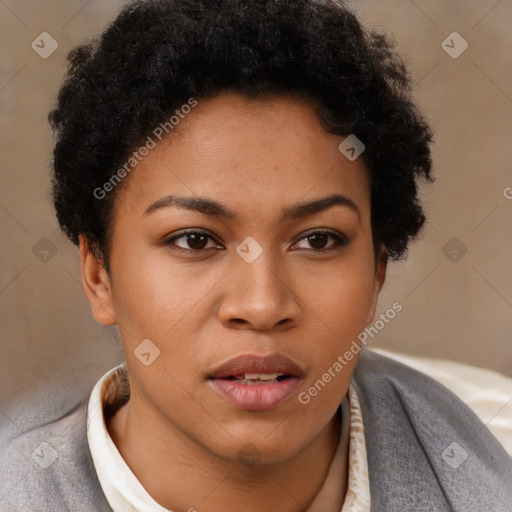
x=279, y=263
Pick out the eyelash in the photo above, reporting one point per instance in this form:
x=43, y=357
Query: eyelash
x=339, y=239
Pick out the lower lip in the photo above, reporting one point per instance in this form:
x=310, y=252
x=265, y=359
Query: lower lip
x=256, y=397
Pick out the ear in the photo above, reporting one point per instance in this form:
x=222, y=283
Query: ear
x=380, y=277
x=96, y=283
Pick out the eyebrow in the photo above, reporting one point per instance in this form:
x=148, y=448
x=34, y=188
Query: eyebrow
x=215, y=209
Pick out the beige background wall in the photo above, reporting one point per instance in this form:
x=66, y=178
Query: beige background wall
x=460, y=310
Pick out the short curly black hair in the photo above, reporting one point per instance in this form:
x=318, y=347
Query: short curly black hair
x=157, y=54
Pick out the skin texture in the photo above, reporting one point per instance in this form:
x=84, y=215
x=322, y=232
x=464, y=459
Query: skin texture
x=181, y=439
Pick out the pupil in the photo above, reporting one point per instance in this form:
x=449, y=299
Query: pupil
x=318, y=241
x=197, y=241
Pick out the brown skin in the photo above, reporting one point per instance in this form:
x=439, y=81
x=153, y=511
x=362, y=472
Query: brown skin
x=181, y=439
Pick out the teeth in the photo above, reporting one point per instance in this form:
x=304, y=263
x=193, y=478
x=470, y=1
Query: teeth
x=261, y=376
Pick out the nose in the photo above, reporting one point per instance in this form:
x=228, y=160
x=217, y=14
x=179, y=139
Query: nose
x=259, y=297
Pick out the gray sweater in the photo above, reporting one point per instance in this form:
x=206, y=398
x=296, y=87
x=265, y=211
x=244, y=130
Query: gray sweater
x=427, y=451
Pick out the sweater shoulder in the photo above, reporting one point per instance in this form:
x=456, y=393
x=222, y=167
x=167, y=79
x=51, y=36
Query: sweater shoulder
x=50, y=468
x=434, y=442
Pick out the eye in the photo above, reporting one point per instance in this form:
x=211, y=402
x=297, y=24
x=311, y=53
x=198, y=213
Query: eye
x=198, y=241
x=319, y=241
x=192, y=241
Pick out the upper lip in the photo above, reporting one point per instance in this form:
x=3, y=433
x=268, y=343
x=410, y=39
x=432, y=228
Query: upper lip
x=250, y=363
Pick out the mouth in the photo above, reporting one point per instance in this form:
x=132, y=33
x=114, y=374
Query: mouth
x=258, y=379
x=256, y=383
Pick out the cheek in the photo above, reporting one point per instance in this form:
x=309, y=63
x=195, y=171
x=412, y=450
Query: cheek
x=149, y=298
x=337, y=300
x=341, y=294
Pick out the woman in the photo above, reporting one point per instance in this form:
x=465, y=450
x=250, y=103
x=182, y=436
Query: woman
x=237, y=175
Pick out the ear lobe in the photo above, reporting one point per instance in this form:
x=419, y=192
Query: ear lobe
x=96, y=283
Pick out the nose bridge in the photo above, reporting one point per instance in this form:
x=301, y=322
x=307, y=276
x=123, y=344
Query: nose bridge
x=258, y=294
x=260, y=280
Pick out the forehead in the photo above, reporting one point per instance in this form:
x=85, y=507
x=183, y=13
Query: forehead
x=254, y=154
